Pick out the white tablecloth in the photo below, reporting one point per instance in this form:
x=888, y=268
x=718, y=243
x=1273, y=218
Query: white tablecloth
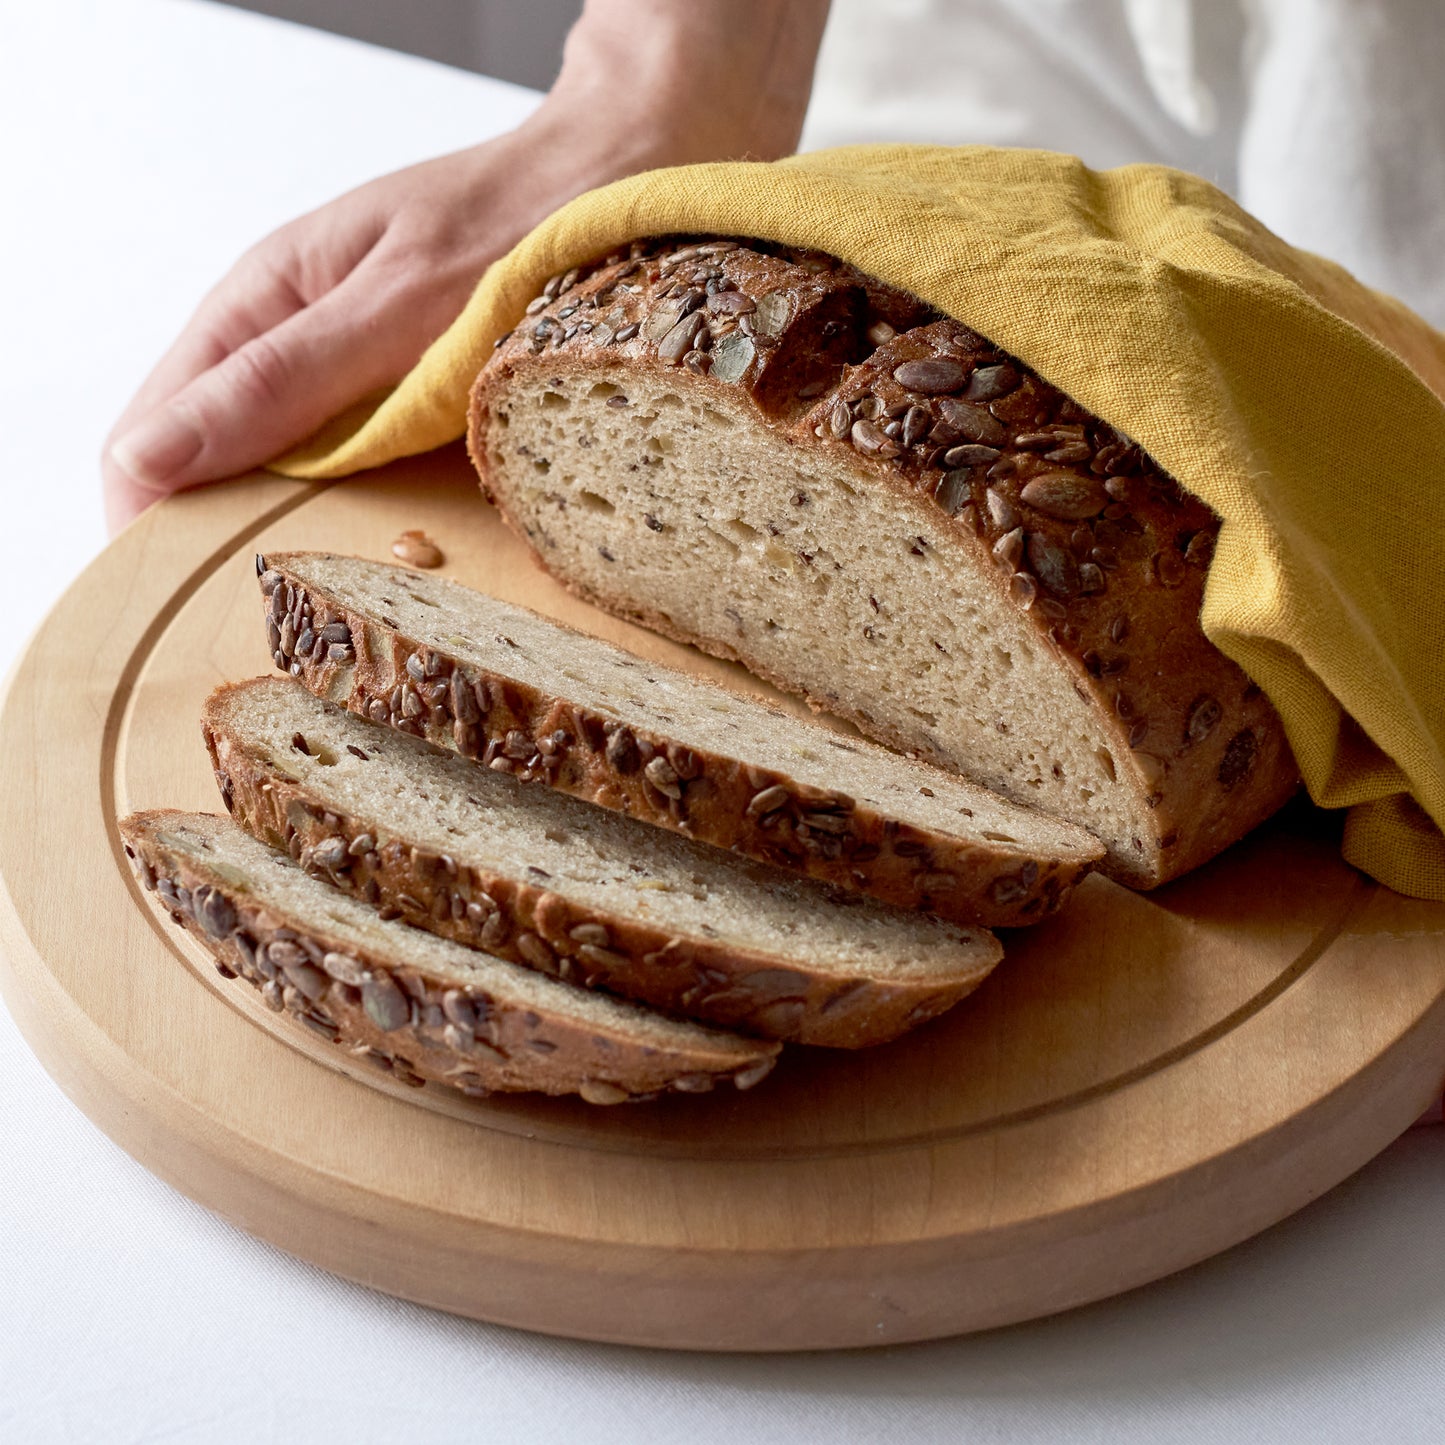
x=145, y=143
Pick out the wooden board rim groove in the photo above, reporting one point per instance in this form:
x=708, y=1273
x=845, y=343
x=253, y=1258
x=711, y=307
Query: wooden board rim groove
x=704, y=1292
x=1358, y=893
x=188, y=954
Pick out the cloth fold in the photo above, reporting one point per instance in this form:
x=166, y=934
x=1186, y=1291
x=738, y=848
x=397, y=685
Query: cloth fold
x=1305, y=408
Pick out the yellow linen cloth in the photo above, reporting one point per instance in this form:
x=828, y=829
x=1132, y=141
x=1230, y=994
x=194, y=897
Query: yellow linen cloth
x=1306, y=409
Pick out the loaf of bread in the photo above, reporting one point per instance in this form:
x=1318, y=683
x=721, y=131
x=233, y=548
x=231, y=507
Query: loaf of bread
x=594, y=897
x=770, y=455
x=528, y=697
x=418, y=1007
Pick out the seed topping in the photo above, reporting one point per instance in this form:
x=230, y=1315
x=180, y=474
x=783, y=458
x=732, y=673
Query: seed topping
x=385, y=1004
x=664, y=777
x=988, y=383
x=416, y=549
x=931, y=375
x=1204, y=715
x=962, y=421
x=1065, y=495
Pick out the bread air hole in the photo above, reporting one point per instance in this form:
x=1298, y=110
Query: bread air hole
x=555, y=401
x=593, y=503
x=780, y=557
x=311, y=748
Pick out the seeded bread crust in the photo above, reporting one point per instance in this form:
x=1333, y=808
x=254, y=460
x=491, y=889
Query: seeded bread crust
x=774, y=995
x=366, y=662
x=1079, y=529
x=417, y=1028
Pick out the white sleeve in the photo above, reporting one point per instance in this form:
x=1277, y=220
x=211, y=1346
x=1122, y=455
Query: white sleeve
x=1111, y=81
x=1342, y=149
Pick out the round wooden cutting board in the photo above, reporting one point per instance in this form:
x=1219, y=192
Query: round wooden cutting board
x=1144, y=1081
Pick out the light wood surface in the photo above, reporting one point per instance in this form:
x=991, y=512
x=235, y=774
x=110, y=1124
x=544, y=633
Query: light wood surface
x=1143, y=1082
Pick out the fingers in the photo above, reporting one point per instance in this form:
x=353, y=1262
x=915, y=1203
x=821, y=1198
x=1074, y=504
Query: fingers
x=259, y=293
x=285, y=273
x=270, y=285
x=255, y=296
x=123, y=500
x=337, y=305
x=273, y=390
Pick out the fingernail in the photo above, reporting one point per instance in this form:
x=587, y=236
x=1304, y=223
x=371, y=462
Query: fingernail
x=156, y=449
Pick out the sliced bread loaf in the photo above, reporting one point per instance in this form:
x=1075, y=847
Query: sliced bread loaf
x=590, y=895
x=526, y=696
x=769, y=455
x=417, y=1006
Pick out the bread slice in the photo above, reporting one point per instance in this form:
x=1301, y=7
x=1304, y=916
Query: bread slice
x=420, y=1007
x=597, y=898
x=526, y=696
x=766, y=454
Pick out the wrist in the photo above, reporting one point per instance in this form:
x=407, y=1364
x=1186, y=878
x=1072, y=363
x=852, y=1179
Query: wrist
x=656, y=83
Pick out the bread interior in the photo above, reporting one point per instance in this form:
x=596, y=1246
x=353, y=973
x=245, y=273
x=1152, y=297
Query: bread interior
x=671, y=501
x=248, y=869
x=498, y=637
x=400, y=787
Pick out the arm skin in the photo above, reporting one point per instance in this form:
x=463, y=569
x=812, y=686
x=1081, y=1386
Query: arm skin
x=342, y=301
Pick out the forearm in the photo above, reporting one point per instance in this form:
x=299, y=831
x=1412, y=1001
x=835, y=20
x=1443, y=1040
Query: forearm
x=678, y=81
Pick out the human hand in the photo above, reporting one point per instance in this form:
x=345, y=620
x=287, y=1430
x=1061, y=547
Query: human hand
x=340, y=303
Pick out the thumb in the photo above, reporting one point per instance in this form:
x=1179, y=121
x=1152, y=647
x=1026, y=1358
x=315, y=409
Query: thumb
x=274, y=390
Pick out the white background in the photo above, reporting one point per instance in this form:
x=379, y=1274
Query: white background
x=143, y=144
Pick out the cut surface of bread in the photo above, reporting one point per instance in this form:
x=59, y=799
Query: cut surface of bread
x=420, y=1007
x=755, y=451
x=595, y=897
x=525, y=695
